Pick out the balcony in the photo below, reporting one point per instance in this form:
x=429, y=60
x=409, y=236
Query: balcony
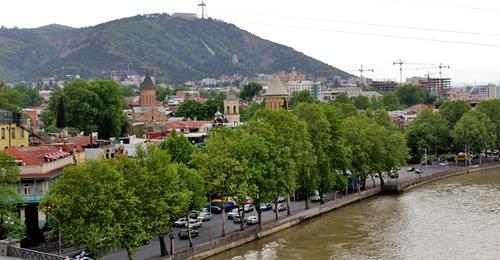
x=32, y=198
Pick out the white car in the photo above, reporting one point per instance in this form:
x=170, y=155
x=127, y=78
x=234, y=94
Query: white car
x=180, y=222
x=233, y=213
x=205, y=216
x=252, y=220
x=194, y=223
x=444, y=164
x=248, y=208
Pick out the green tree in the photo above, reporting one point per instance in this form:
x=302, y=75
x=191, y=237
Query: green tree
x=29, y=96
x=10, y=99
x=318, y=128
x=410, y=95
x=250, y=90
x=109, y=117
x=94, y=206
x=179, y=147
x=163, y=194
x=10, y=224
x=362, y=102
x=290, y=155
x=301, y=97
x=474, y=131
x=491, y=108
x=452, y=111
x=128, y=91
x=221, y=171
x=163, y=92
x=391, y=101
x=247, y=113
x=343, y=98
x=429, y=131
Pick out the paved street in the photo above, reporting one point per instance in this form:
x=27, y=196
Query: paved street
x=212, y=229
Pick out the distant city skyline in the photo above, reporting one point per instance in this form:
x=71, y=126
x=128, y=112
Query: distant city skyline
x=346, y=34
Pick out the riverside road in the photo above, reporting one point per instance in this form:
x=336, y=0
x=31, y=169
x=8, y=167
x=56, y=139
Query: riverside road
x=212, y=229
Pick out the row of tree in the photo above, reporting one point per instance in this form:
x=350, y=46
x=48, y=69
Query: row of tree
x=88, y=107
x=18, y=97
x=456, y=128
x=121, y=203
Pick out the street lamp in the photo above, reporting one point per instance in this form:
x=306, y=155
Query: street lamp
x=425, y=152
x=171, y=236
x=59, y=230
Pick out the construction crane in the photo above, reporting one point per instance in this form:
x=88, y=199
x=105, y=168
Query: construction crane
x=361, y=70
x=401, y=63
x=441, y=67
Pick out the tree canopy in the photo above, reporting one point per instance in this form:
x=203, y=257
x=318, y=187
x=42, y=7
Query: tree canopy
x=410, y=95
x=250, y=90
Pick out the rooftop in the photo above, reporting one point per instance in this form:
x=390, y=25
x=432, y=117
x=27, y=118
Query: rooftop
x=277, y=88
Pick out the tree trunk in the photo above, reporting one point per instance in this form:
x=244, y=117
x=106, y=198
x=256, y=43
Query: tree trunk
x=259, y=214
x=373, y=180
x=276, y=207
x=189, y=231
x=288, y=213
x=321, y=197
x=242, y=217
x=381, y=180
x=307, y=202
x=223, y=219
x=130, y=254
x=163, y=246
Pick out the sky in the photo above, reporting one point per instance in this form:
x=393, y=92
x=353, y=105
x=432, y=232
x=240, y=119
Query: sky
x=462, y=34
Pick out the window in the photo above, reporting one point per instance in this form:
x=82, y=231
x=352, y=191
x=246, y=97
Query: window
x=27, y=189
x=13, y=132
x=3, y=133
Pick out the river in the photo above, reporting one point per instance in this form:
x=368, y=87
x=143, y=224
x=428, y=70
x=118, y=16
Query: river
x=454, y=218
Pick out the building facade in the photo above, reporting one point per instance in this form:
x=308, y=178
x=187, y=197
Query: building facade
x=12, y=133
x=232, y=109
x=314, y=87
x=276, y=96
x=149, y=109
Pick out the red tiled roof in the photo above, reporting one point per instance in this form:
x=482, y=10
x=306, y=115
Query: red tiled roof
x=32, y=155
x=46, y=175
x=186, y=124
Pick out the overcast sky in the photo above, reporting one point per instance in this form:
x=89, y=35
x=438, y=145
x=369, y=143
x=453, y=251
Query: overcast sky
x=463, y=34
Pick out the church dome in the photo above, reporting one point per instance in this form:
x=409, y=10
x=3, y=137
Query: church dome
x=147, y=84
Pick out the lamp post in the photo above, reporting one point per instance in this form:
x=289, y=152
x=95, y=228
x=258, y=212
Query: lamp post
x=58, y=231
x=171, y=236
x=425, y=156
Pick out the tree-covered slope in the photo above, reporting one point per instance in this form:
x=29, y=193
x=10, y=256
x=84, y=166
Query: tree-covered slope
x=181, y=49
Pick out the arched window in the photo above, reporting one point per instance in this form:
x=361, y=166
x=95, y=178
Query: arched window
x=234, y=110
x=227, y=110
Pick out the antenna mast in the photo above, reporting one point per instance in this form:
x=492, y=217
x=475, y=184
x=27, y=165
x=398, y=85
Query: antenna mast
x=203, y=8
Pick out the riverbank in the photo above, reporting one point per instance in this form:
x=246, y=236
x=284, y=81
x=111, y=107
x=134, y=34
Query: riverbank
x=236, y=239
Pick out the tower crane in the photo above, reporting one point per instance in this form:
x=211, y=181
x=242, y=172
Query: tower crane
x=401, y=63
x=361, y=70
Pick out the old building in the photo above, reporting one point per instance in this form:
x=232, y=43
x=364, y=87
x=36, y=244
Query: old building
x=232, y=109
x=276, y=96
x=12, y=133
x=149, y=109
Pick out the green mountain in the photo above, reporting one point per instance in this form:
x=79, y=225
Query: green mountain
x=181, y=50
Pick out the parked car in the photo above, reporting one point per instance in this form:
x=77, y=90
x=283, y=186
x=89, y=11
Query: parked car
x=443, y=164
x=266, y=206
x=215, y=209
x=184, y=234
x=205, y=216
x=194, y=223
x=180, y=222
x=248, y=208
x=82, y=255
x=419, y=171
x=411, y=169
x=252, y=220
x=237, y=220
x=234, y=213
x=281, y=207
x=394, y=175
x=316, y=197
x=281, y=199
